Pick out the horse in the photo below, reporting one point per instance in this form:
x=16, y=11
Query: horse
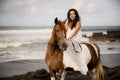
x=56, y=46
x=60, y=53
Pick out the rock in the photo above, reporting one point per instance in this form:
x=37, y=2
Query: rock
x=95, y=35
x=112, y=36
x=42, y=74
x=99, y=36
x=75, y=75
x=112, y=73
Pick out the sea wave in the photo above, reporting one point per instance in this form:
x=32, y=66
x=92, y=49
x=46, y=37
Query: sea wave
x=17, y=38
x=6, y=56
x=15, y=44
x=44, y=30
x=20, y=44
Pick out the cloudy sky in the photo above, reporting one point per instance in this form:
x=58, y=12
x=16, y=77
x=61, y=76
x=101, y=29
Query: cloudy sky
x=43, y=12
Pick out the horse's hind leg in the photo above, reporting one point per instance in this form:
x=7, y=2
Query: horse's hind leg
x=52, y=74
x=92, y=74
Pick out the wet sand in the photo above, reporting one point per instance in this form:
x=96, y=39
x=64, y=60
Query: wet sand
x=8, y=69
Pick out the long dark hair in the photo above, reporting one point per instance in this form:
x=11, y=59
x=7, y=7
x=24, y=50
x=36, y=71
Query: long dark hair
x=77, y=18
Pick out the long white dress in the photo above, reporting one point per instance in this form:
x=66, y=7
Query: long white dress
x=77, y=61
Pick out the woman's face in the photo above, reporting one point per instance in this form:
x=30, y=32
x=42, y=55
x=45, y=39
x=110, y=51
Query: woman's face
x=72, y=15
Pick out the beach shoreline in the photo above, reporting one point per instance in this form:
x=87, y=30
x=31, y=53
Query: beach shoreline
x=19, y=67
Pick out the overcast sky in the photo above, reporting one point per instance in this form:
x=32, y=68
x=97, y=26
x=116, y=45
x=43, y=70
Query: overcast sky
x=43, y=12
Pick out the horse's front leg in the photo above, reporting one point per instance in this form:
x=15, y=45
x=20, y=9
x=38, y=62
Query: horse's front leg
x=52, y=74
x=63, y=74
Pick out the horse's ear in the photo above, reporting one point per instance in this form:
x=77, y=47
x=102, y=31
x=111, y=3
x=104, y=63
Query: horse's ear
x=56, y=20
x=64, y=21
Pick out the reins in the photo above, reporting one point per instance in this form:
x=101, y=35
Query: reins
x=56, y=41
x=53, y=44
x=79, y=46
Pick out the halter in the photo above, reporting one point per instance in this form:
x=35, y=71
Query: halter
x=56, y=40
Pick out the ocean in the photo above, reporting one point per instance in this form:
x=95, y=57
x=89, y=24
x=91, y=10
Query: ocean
x=30, y=43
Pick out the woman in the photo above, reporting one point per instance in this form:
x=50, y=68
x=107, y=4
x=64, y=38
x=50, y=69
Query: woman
x=73, y=25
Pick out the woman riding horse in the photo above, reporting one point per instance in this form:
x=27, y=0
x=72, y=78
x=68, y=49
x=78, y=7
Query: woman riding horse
x=59, y=56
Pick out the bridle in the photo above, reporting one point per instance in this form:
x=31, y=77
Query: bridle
x=57, y=39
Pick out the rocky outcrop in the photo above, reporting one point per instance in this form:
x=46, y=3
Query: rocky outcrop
x=112, y=36
x=42, y=74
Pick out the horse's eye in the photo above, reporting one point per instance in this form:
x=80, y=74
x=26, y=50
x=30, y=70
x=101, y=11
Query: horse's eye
x=57, y=30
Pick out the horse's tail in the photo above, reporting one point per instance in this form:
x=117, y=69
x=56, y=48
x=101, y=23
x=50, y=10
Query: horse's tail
x=99, y=71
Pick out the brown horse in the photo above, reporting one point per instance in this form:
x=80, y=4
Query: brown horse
x=56, y=46
x=61, y=54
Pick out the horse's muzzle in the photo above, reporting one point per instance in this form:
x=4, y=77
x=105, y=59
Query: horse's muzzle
x=63, y=46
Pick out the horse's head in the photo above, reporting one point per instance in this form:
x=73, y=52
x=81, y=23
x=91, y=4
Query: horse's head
x=60, y=34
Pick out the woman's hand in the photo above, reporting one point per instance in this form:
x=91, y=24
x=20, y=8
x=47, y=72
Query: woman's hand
x=78, y=25
x=68, y=39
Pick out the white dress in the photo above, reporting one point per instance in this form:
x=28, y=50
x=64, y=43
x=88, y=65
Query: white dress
x=77, y=61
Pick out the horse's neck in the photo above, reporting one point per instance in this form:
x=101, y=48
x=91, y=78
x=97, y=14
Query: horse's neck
x=52, y=39
x=50, y=43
